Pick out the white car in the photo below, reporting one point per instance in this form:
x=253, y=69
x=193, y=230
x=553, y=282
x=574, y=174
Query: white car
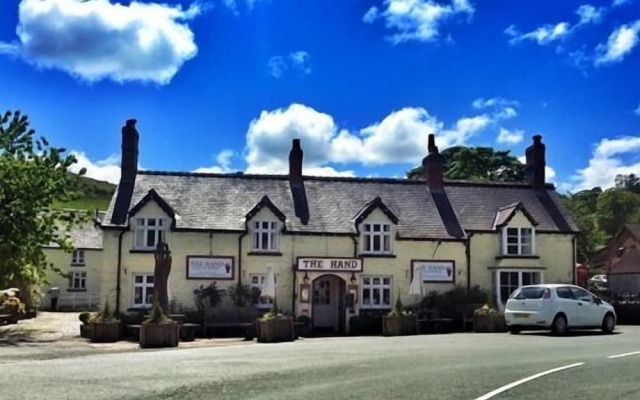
x=557, y=307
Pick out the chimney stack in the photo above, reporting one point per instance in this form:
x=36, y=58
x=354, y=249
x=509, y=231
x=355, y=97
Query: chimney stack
x=295, y=162
x=433, y=165
x=536, y=163
x=129, y=162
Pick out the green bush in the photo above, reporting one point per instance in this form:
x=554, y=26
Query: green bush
x=106, y=315
x=206, y=295
x=86, y=317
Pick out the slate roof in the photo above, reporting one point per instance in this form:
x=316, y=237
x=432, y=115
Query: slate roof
x=221, y=202
x=87, y=236
x=504, y=215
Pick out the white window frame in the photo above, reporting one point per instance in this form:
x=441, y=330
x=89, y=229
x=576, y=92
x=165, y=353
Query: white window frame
x=498, y=288
x=367, y=302
x=77, y=257
x=141, y=230
x=368, y=233
x=265, y=238
x=505, y=241
x=146, y=286
x=263, y=302
x=78, y=280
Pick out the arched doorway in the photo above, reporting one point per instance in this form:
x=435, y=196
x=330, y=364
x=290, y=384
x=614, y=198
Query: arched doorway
x=328, y=308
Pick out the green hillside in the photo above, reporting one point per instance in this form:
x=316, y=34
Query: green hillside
x=95, y=195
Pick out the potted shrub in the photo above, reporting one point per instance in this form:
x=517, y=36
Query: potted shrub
x=399, y=321
x=14, y=307
x=158, y=330
x=85, y=329
x=105, y=327
x=275, y=327
x=488, y=319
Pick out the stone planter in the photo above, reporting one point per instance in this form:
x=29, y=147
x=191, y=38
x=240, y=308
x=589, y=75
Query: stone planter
x=488, y=323
x=165, y=334
x=85, y=331
x=273, y=330
x=399, y=325
x=105, y=332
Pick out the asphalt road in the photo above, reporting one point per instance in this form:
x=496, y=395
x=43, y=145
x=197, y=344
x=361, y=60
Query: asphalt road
x=455, y=366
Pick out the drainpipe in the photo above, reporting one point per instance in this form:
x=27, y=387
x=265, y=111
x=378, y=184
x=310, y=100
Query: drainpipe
x=573, y=258
x=119, y=273
x=355, y=246
x=468, y=255
x=243, y=234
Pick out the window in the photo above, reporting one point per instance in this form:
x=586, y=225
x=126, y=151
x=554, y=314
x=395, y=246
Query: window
x=509, y=281
x=77, y=257
x=143, y=290
x=257, y=281
x=518, y=241
x=376, y=238
x=376, y=292
x=148, y=231
x=79, y=280
x=265, y=236
x=581, y=294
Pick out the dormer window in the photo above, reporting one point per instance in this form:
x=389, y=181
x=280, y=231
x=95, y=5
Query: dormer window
x=265, y=236
x=518, y=241
x=376, y=238
x=148, y=231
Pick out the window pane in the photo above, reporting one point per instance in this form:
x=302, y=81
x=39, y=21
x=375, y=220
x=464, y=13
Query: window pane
x=376, y=297
x=150, y=278
x=512, y=232
x=526, y=249
x=256, y=225
x=140, y=221
x=274, y=225
x=376, y=243
x=137, y=295
x=366, y=296
x=376, y=281
x=376, y=228
x=386, y=281
x=264, y=241
x=387, y=228
x=274, y=245
x=151, y=222
x=386, y=297
x=387, y=243
x=366, y=281
x=139, y=238
x=367, y=243
x=151, y=238
x=367, y=228
x=255, y=280
x=256, y=240
x=512, y=249
x=138, y=279
x=265, y=225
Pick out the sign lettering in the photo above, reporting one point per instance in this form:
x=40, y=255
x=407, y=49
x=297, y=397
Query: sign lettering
x=330, y=264
x=203, y=267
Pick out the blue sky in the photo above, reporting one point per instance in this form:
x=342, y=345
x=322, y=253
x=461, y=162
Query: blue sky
x=224, y=85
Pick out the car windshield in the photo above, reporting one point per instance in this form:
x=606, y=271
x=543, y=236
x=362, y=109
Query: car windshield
x=529, y=293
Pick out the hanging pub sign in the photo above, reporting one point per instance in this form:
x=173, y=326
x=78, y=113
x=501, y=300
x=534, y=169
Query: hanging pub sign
x=435, y=271
x=209, y=267
x=334, y=264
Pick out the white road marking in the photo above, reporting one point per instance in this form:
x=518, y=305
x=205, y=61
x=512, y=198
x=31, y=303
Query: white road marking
x=625, y=354
x=521, y=381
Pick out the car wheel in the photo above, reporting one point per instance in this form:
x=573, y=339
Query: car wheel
x=559, y=325
x=514, y=330
x=608, y=324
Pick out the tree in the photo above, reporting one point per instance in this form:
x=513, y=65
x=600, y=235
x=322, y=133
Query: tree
x=629, y=182
x=32, y=175
x=615, y=208
x=583, y=207
x=477, y=163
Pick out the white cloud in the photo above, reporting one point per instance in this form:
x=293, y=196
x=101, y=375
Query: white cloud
x=502, y=108
x=620, y=43
x=233, y=5
x=400, y=137
x=223, y=163
x=510, y=137
x=637, y=111
x=95, y=40
x=617, y=3
x=298, y=60
x=417, y=19
x=102, y=170
x=589, y=14
x=544, y=35
x=606, y=162
x=371, y=15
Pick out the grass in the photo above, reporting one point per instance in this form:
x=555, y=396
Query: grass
x=96, y=195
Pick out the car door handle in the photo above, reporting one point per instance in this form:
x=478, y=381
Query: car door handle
x=579, y=304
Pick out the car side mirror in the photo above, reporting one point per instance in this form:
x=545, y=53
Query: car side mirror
x=597, y=301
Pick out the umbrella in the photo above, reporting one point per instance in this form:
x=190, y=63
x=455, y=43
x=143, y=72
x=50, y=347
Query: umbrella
x=416, y=283
x=269, y=287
